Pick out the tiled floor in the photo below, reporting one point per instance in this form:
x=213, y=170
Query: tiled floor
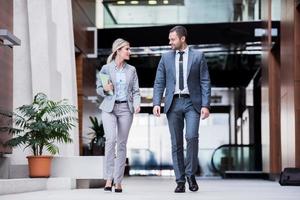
x=156, y=188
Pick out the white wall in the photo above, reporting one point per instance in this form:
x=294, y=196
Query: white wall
x=45, y=61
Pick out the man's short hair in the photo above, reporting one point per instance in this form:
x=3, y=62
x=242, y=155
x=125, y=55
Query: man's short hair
x=180, y=30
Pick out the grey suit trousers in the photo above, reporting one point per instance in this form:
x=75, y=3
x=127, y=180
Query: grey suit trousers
x=116, y=127
x=182, y=110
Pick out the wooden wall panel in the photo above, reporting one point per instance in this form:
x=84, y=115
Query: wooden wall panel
x=297, y=48
x=6, y=14
x=83, y=39
x=290, y=84
x=287, y=94
x=83, y=16
x=297, y=43
x=274, y=105
x=89, y=9
x=86, y=83
x=90, y=107
x=79, y=78
x=297, y=122
x=6, y=78
x=6, y=67
x=297, y=138
x=89, y=77
x=270, y=97
x=297, y=85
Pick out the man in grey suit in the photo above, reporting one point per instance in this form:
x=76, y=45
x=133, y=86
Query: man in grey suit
x=183, y=72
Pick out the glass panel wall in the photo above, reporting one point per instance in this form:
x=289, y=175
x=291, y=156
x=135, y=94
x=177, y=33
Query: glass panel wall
x=142, y=13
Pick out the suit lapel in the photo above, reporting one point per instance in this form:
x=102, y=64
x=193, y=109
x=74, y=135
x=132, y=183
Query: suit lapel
x=190, y=61
x=112, y=72
x=127, y=75
x=173, y=64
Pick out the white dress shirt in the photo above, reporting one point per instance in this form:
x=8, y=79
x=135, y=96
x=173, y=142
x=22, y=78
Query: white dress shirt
x=121, y=86
x=185, y=63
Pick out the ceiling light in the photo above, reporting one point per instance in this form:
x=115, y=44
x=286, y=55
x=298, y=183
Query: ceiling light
x=121, y=2
x=152, y=2
x=165, y=2
x=134, y=2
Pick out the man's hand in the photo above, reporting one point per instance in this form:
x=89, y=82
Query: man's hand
x=137, y=110
x=204, y=113
x=156, y=111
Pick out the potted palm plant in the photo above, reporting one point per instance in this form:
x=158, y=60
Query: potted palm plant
x=97, y=144
x=39, y=126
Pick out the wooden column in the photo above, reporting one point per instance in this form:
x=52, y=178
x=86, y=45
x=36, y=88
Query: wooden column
x=297, y=83
x=6, y=68
x=83, y=16
x=270, y=97
x=290, y=84
x=79, y=78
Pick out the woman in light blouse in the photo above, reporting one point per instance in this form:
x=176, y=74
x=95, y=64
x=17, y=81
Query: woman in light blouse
x=121, y=100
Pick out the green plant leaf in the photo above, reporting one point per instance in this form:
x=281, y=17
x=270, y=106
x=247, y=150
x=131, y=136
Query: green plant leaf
x=42, y=123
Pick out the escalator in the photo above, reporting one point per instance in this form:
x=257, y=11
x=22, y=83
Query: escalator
x=236, y=161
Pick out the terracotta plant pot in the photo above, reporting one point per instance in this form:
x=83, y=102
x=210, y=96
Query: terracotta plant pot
x=39, y=166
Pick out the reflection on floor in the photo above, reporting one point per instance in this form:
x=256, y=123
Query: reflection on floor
x=154, y=188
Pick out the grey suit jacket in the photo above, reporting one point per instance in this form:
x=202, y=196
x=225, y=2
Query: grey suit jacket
x=198, y=80
x=133, y=97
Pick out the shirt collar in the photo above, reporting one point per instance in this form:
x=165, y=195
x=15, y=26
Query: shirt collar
x=119, y=69
x=185, y=50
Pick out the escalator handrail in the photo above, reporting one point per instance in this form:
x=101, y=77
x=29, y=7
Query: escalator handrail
x=222, y=146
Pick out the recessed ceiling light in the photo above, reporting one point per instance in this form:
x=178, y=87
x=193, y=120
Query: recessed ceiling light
x=152, y=2
x=165, y=1
x=121, y=2
x=134, y=2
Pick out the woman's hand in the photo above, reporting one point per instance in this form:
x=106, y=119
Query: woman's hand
x=108, y=87
x=137, y=110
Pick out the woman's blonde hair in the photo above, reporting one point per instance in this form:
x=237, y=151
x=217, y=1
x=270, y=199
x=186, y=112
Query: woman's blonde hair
x=118, y=44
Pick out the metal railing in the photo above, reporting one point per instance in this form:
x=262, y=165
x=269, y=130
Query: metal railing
x=233, y=158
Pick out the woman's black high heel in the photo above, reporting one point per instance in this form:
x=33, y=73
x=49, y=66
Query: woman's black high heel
x=109, y=188
x=118, y=190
